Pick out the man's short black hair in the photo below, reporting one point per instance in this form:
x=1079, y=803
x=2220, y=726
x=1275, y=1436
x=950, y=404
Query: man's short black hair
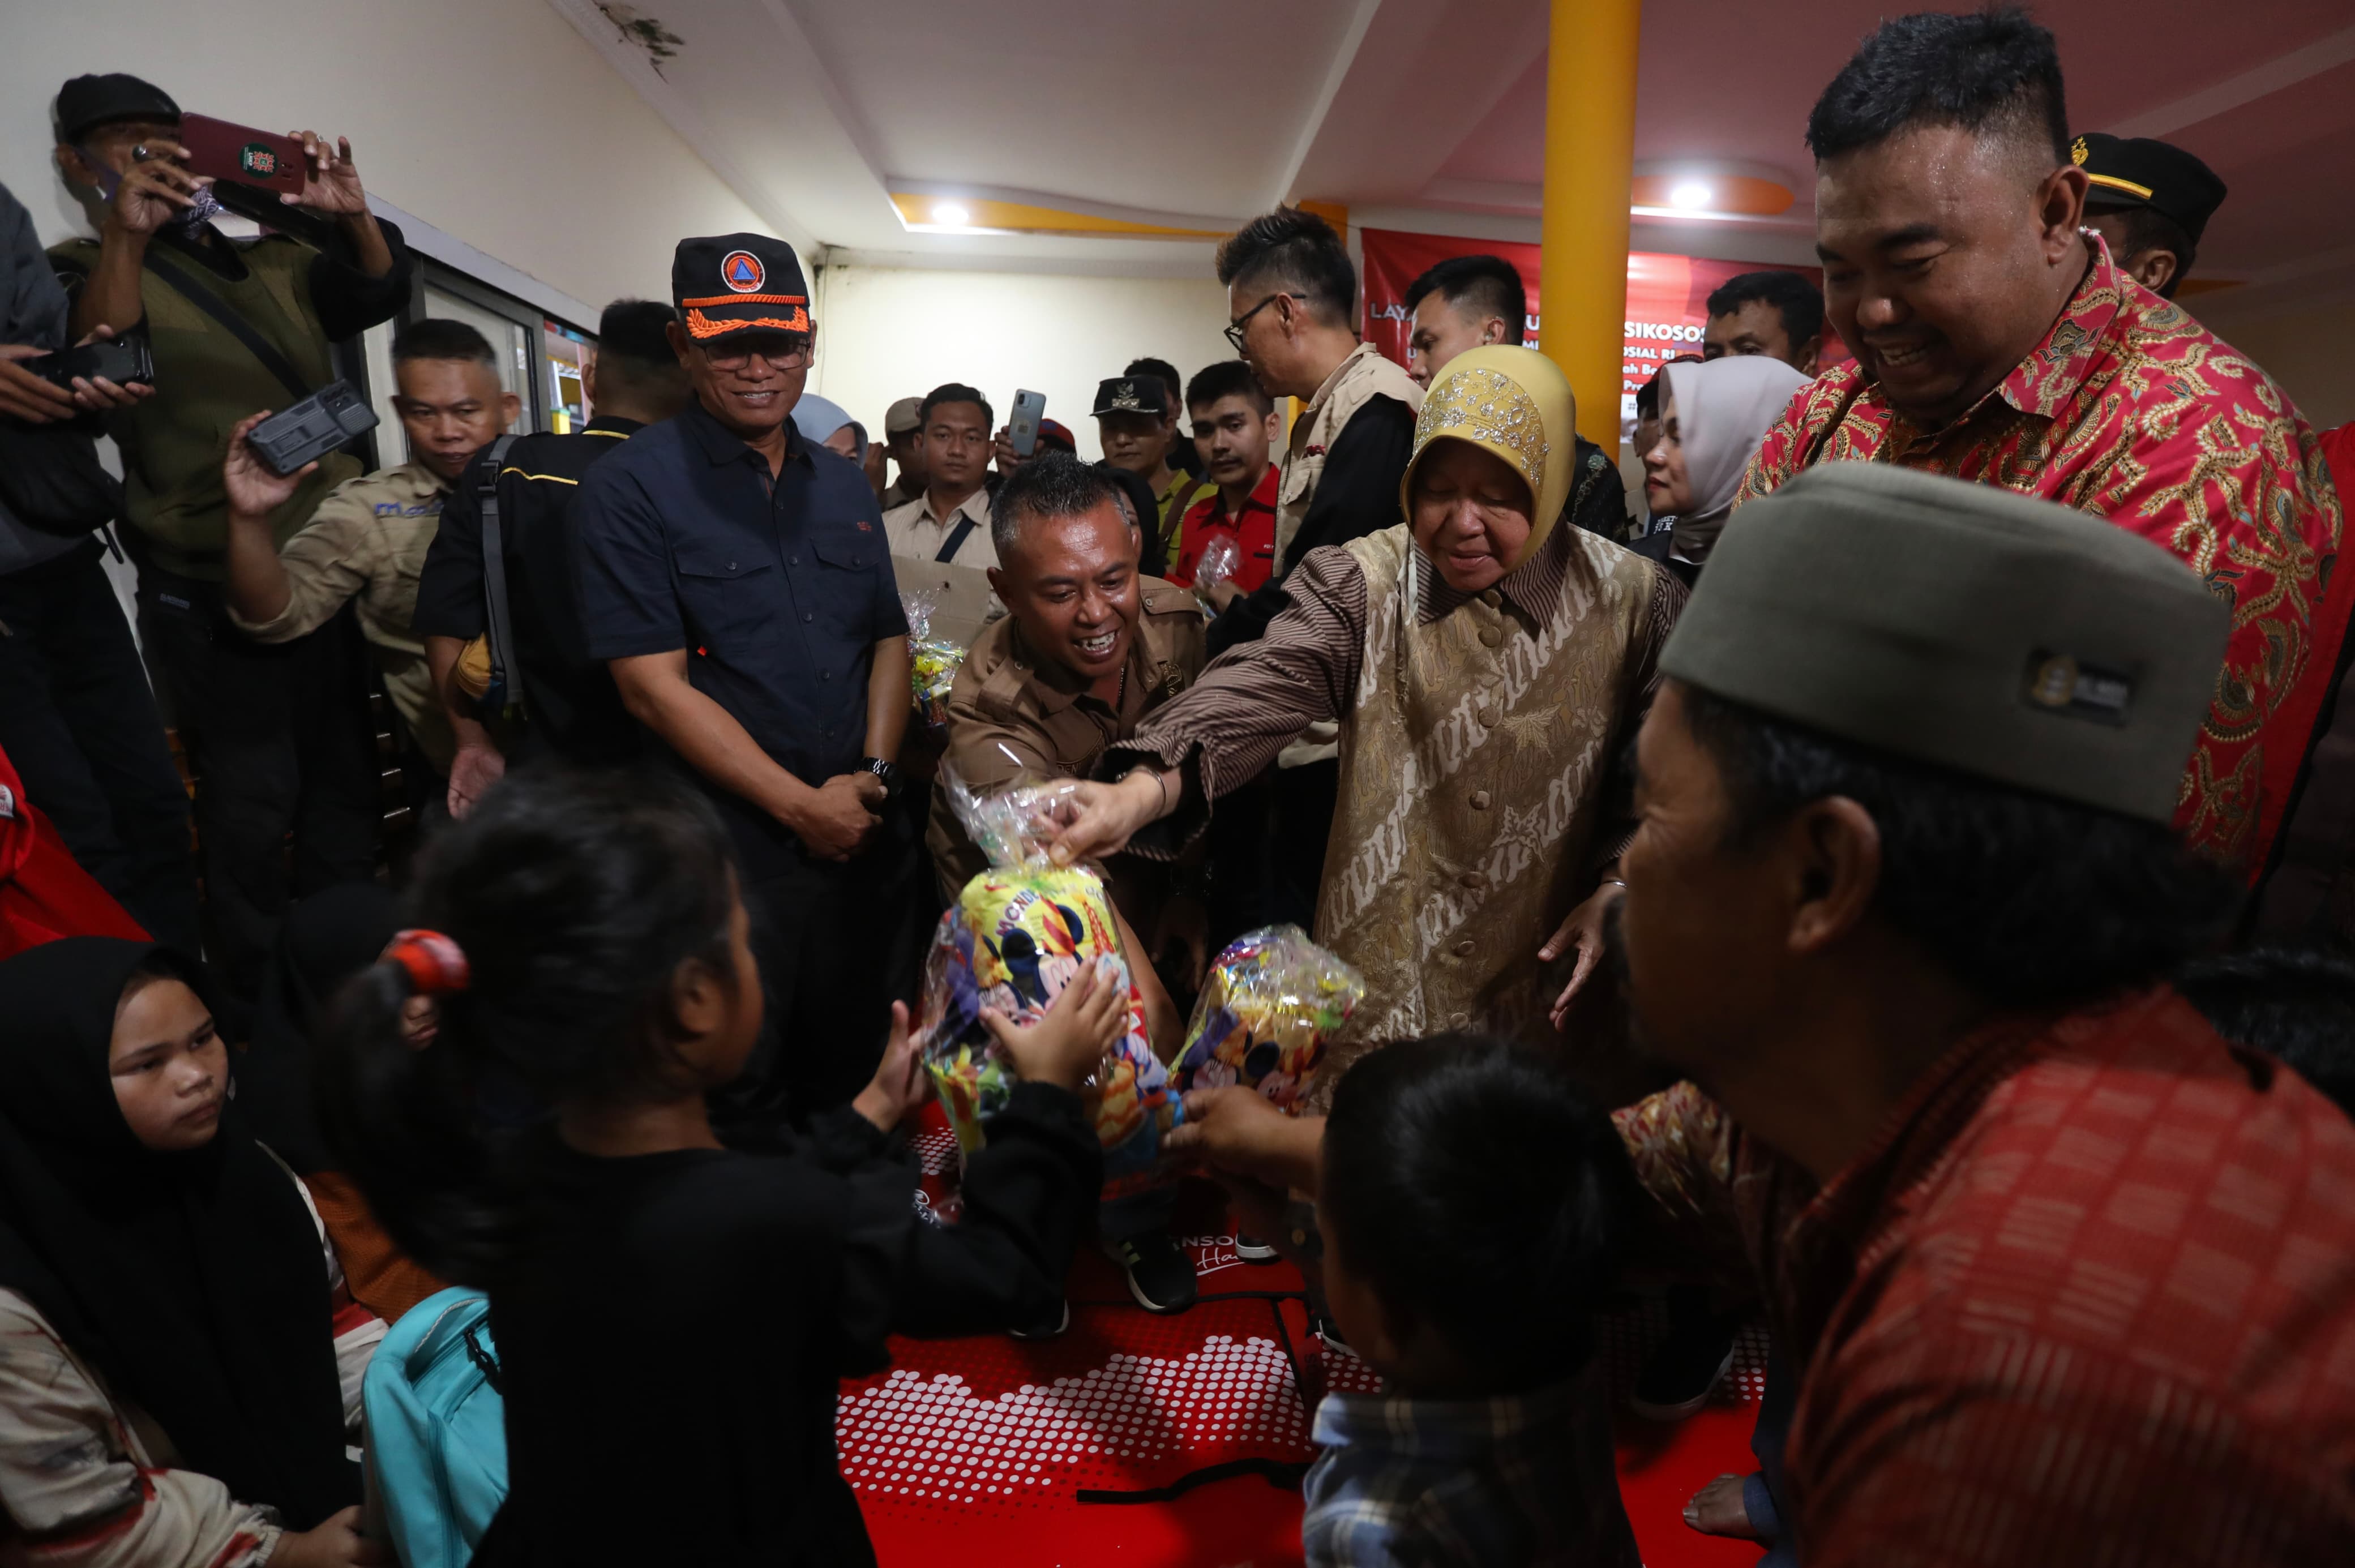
x=1987, y=70
x=957, y=393
x=2026, y=899
x=437, y=338
x=634, y=330
x=2297, y=1004
x=1054, y=484
x=1477, y=285
x=1227, y=379
x=1298, y=252
x=1800, y=302
x=1162, y=371
x=1467, y=1183
x=2147, y=229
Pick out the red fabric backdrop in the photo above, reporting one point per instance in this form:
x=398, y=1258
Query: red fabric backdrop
x=1667, y=297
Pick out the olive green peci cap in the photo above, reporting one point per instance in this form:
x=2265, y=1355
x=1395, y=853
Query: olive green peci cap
x=1961, y=625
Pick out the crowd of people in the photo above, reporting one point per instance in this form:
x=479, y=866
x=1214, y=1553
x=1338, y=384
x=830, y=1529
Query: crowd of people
x=1892, y=880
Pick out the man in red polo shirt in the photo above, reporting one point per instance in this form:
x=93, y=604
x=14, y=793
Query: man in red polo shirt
x=1234, y=426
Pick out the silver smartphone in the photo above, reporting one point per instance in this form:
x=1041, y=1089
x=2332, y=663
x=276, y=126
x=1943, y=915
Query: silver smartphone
x=1022, y=428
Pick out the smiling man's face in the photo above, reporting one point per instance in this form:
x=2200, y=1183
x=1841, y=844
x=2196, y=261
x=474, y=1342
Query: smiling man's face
x=1070, y=584
x=1947, y=258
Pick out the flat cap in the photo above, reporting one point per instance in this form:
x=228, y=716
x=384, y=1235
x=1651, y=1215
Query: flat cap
x=1965, y=626
x=87, y=103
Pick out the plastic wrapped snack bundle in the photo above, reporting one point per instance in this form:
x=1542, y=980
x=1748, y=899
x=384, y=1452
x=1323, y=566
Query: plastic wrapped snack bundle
x=933, y=664
x=1271, y=1004
x=1017, y=935
x=1221, y=560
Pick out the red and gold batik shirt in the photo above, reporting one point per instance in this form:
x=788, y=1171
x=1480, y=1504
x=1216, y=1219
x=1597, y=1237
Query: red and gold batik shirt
x=2131, y=409
x=2087, y=1295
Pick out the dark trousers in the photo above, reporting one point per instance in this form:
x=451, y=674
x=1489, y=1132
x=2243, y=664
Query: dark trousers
x=78, y=719
x=1300, y=819
x=280, y=740
x=828, y=937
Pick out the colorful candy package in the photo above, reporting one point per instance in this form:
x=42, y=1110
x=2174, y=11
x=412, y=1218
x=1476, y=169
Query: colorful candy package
x=1017, y=935
x=933, y=663
x=1270, y=1004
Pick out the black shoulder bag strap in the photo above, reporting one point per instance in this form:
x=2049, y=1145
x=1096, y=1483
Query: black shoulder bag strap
x=506, y=689
x=212, y=305
x=955, y=542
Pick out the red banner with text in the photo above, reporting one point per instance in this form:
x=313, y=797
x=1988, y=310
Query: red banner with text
x=1666, y=299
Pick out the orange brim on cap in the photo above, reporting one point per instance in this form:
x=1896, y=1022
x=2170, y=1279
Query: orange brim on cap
x=701, y=325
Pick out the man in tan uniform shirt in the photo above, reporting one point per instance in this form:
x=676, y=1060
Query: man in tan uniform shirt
x=368, y=540
x=1088, y=647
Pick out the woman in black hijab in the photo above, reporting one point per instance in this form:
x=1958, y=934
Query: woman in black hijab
x=169, y=1368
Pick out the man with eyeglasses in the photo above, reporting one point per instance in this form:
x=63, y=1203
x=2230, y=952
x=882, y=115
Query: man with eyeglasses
x=1291, y=293
x=736, y=578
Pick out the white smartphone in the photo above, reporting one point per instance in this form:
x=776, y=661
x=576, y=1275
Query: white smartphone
x=1022, y=428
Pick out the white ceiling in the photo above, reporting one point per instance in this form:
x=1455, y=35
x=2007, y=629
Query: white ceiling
x=1414, y=114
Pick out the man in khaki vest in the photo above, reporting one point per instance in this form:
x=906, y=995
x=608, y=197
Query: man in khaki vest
x=1089, y=648
x=1291, y=293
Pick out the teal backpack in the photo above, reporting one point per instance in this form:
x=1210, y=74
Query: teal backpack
x=437, y=1440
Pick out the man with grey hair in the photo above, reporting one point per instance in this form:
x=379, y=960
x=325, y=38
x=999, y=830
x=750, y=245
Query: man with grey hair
x=1090, y=645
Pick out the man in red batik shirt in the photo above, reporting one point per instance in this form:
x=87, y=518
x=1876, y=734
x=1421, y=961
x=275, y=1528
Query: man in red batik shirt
x=1996, y=340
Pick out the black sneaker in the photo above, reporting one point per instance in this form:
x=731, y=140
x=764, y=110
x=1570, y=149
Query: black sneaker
x=1252, y=1250
x=1161, y=1272
x=1679, y=1376
x=1054, y=1331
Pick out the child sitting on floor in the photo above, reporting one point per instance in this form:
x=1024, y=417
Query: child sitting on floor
x=1471, y=1205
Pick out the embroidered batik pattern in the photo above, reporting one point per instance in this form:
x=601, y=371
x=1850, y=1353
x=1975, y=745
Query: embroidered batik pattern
x=2132, y=411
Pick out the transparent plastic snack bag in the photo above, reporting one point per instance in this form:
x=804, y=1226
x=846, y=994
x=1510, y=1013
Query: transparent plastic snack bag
x=1270, y=1004
x=1219, y=561
x=1017, y=935
x=933, y=663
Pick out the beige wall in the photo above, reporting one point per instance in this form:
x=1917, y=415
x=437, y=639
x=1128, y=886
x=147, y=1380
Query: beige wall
x=887, y=333
x=2310, y=352
x=491, y=120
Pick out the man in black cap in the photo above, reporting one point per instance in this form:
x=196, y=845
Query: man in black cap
x=2151, y=201
x=279, y=737
x=735, y=577
x=1136, y=421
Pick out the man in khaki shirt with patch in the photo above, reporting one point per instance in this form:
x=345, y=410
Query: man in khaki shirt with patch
x=366, y=543
x=1089, y=647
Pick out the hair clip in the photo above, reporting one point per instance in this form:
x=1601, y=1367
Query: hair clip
x=436, y=965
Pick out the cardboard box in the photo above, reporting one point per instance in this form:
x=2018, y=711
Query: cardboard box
x=963, y=602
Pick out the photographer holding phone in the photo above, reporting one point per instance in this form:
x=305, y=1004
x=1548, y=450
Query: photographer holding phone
x=76, y=715
x=235, y=325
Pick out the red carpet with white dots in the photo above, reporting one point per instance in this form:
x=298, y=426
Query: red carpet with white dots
x=1089, y=1448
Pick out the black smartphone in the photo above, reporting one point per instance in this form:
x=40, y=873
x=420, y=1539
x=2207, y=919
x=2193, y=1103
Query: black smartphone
x=122, y=361
x=328, y=419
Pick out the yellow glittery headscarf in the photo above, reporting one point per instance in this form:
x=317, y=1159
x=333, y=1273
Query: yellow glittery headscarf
x=1516, y=403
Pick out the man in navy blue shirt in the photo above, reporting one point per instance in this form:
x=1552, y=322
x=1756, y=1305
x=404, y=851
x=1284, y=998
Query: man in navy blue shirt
x=736, y=578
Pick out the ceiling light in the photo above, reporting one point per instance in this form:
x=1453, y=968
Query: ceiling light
x=949, y=214
x=1689, y=193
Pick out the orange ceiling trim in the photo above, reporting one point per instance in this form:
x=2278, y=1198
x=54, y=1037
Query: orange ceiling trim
x=1727, y=193
x=1022, y=218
